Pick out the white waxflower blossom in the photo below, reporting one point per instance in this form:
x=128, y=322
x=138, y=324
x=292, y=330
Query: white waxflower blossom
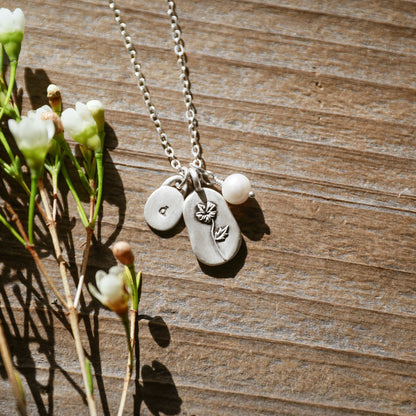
x=46, y=113
x=81, y=126
x=112, y=291
x=33, y=138
x=11, y=31
x=39, y=111
x=97, y=111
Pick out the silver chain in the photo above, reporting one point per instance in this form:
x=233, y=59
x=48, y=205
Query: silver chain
x=198, y=161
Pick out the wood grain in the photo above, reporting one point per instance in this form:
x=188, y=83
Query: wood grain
x=315, y=101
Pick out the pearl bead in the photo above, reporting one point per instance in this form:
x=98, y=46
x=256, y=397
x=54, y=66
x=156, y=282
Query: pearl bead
x=236, y=188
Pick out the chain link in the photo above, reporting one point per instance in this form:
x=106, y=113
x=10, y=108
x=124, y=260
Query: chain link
x=184, y=77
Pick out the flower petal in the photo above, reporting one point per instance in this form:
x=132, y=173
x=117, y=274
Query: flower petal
x=96, y=294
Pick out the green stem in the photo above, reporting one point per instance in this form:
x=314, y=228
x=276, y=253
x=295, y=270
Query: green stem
x=33, y=191
x=135, y=289
x=23, y=185
x=12, y=230
x=74, y=160
x=100, y=174
x=81, y=210
x=126, y=325
x=17, y=111
x=1, y=61
x=13, y=68
x=13, y=169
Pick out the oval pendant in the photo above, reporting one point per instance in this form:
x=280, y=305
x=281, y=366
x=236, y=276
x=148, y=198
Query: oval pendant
x=213, y=231
x=163, y=208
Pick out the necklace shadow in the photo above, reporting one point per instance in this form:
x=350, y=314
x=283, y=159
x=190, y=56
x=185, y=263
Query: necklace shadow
x=250, y=219
x=230, y=269
x=177, y=229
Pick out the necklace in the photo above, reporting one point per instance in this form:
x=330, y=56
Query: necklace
x=213, y=231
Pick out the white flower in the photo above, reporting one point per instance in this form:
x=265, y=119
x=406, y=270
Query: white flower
x=33, y=138
x=46, y=113
x=11, y=31
x=112, y=291
x=39, y=111
x=81, y=126
x=97, y=111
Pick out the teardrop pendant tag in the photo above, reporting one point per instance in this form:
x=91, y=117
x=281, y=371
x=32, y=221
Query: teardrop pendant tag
x=214, y=233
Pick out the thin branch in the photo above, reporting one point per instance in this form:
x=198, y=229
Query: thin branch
x=34, y=254
x=73, y=314
x=84, y=264
x=129, y=368
x=11, y=373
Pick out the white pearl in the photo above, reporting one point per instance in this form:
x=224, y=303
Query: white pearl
x=236, y=188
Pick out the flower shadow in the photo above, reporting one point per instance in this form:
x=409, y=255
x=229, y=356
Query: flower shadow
x=36, y=82
x=159, y=391
x=29, y=322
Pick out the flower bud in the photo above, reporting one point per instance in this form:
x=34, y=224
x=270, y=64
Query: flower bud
x=50, y=115
x=55, y=99
x=112, y=291
x=11, y=31
x=46, y=113
x=81, y=126
x=97, y=111
x=123, y=253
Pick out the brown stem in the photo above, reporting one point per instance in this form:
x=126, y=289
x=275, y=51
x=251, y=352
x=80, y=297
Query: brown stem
x=51, y=224
x=73, y=319
x=11, y=373
x=129, y=368
x=34, y=254
x=73, y=314
x=85, y=256
x=54, y=206
x=42, y=269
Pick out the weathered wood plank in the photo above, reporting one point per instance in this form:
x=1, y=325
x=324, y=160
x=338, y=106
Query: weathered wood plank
x=315, y=101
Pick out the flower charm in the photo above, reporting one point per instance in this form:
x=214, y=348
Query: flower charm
x=81, y=126
x=33, y=138
x=11, y=31
x=112, y=291
x=206, y=212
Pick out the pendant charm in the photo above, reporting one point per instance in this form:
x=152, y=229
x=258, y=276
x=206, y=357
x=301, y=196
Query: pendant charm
x=213, y=231
x=163, y=209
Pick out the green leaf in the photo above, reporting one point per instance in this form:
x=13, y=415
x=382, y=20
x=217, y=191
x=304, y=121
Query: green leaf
x=89, y=376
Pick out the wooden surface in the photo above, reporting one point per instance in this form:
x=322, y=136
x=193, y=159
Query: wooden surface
x=315, y=101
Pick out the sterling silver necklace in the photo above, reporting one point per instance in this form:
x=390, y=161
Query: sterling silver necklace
x=213, y=231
